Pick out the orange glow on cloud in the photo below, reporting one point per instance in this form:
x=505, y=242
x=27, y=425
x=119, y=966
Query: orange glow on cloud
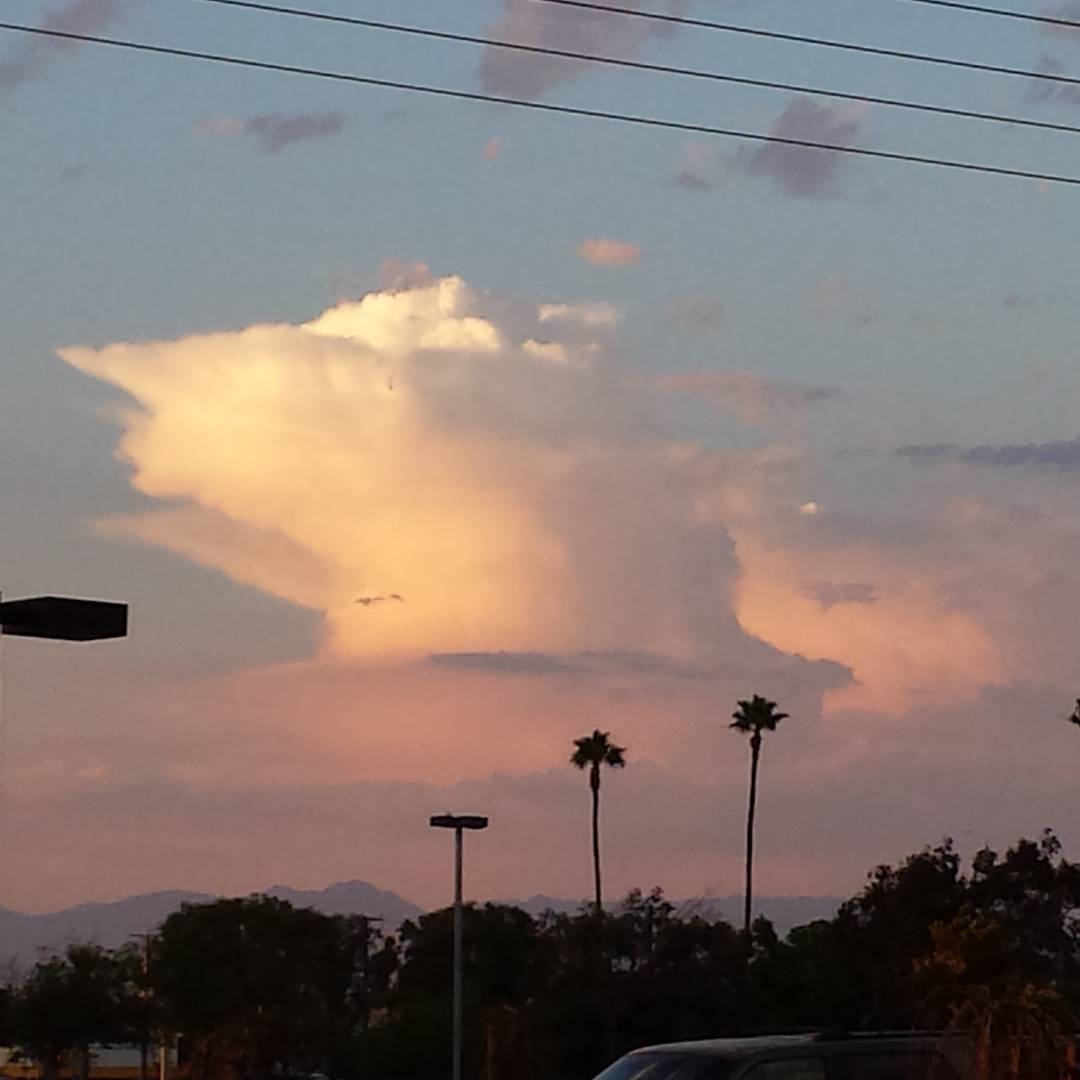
x=905, y=648
x=493, y=465
x=488, y=465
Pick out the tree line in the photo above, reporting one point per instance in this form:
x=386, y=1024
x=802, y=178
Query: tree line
x=256, y=989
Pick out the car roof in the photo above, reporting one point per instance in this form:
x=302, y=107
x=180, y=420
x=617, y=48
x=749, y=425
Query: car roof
x=733, y=1048
x=745, y=1047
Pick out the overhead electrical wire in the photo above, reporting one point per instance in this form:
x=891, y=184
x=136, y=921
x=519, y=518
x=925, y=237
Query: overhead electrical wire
x=641, y=65
x=1004, y=13
x=540, y=106
x=803, y=39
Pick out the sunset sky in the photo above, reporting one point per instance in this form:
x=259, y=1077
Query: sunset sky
x=612, y=426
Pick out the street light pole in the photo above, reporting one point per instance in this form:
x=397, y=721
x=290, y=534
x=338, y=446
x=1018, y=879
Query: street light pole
x=459, y=823
x=62, y=618
x=459, y=920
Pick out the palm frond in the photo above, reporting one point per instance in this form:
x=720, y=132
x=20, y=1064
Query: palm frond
x=757, y=715
x=597, y=749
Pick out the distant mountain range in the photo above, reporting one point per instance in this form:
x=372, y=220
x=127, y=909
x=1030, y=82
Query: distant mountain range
x=23, y=937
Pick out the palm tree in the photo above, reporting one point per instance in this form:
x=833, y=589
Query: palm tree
x=752, y=718
x=592, y=752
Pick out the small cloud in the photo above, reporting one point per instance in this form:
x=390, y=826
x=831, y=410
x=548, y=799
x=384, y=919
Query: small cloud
x=504, y=71
x=799, y=171
x=585, y=314
x=810, y=509
x=74, y=173
x=397, y=275
x=835, y=297
x=272, y=131
x=1068, y=10
x=217, y=127
x=31, y=58
x=1060, y=456
x=551, y=351
x=752, y=396
x=1015, y=301
x=1047, y=91
x=602, y=663
x=830, y=593
x=702, y=312
x=603, y=252
x=493, y=149
x=699, y=168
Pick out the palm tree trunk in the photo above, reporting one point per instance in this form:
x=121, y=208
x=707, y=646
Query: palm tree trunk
x=594, y=783
x=755, y=757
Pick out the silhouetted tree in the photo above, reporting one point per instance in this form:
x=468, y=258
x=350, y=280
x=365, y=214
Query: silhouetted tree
x=1016, y=1025
x=258, y=985
x=69, y=1002
x=754, y=718
x=592, y=752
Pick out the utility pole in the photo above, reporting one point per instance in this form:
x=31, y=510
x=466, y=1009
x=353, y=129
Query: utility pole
x=163, y=1045
x=365, y=971
x=144, y=998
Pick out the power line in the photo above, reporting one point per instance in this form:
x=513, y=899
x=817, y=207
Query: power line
x=802, y=39
x=1005, y=13
x=640, y=65
x=540, y=106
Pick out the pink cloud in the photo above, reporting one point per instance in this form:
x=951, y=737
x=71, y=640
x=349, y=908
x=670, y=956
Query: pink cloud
x=395, y=274
x=33, y=56
x=804, y=172
x=273, y=131
x=603, y=252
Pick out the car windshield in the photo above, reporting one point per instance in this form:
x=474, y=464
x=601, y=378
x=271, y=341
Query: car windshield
x=667, y=1066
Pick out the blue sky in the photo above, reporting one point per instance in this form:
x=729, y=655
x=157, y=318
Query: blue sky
x=138, y=204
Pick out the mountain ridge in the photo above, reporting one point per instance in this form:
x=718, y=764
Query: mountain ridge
x=23, y=937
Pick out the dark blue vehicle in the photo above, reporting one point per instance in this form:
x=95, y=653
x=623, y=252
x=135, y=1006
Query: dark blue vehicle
x=811, y=1056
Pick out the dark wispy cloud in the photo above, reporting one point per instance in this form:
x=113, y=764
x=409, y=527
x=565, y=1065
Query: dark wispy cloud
x=626, y=663
x=804, y=172
x=33, y=55
x=700, y=168
x=702, y=312
x=507, y=663
x=1017, y=301
x=1046, y=91
x=830, y=593
x=606, y=33
x=1058, y=456
x=1068, y=10
x=273, y=131
x=751, y=395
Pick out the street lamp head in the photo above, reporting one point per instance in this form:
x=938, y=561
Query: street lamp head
x=459, y=821
x=64, y=618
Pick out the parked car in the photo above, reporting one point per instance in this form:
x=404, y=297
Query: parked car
x=811, y=1056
